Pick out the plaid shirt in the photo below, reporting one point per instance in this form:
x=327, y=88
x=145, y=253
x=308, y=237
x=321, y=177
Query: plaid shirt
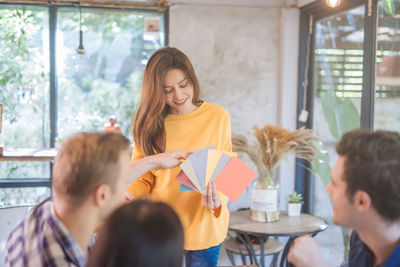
x=42, y=240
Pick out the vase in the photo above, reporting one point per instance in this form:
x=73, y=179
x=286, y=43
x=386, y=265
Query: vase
x=264, y=203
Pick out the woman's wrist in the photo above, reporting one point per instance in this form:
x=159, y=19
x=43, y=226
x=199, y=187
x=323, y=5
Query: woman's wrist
x=154, y=161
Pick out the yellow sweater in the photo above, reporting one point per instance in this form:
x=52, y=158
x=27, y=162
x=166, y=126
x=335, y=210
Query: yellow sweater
x=208, y=125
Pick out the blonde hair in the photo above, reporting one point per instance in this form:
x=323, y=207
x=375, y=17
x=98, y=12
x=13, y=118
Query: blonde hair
x=85, y=161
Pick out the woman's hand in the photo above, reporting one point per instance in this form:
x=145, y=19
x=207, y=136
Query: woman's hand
x=170, y=159
x=210, y=199
x=129, y=197
x=165, y=160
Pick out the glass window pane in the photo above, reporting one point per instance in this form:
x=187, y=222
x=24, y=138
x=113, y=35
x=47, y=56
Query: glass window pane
x=23, y=195
x=24, y=85
x=336, y=108
x=24, y=169
x=106, y=79
x=387, y=90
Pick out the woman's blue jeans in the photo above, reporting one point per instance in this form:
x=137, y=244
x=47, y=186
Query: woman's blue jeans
x=202, y=258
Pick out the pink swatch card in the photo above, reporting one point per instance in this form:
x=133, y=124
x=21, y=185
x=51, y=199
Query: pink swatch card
x=183, y=179
x=234, y=179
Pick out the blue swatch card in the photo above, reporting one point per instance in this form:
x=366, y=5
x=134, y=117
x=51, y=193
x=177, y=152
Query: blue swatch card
x=184, y=188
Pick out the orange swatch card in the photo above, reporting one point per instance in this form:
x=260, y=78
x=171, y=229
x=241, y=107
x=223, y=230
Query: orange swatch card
x=234, y=179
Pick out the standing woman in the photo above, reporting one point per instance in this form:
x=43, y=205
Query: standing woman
x=171, y=116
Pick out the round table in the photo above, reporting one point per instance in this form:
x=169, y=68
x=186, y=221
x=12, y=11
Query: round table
x=292, y=227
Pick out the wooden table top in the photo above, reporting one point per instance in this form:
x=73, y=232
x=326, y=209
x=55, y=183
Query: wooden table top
x=22, y=154
x=240, y=221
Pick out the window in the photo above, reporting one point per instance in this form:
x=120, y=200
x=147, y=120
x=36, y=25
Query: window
x=336, y=108
x=387, y=92
x=352, y=83
x=88, y=88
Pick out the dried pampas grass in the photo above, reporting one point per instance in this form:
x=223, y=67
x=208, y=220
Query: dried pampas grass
x=272, y=144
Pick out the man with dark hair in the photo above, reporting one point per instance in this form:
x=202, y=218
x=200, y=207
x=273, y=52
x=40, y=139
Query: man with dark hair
x=90, y=175
x=365, y=191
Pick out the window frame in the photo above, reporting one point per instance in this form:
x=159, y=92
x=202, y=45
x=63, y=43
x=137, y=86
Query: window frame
x=318, y=10
x=52, y=11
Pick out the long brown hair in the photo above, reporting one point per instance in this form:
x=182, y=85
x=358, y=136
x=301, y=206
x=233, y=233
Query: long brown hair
x=148, y=122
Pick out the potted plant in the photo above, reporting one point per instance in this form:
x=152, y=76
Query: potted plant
x=58, y=142
x=294, y=205
x=271, y=145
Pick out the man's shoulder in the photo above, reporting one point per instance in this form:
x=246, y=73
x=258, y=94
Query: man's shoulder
x=30, y=242
x=359, y=254
x=15, y=246
x=394, y=258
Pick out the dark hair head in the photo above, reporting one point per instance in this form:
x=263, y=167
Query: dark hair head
x=140, y=234
x=372, y=164
x=148, y=122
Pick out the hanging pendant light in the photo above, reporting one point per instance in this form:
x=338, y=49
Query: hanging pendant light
x=333, y=3
x=80, y=49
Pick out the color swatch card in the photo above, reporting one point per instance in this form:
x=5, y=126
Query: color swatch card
x=186, y=184
x=199, y=160
x=230, y=175
x=234, y=178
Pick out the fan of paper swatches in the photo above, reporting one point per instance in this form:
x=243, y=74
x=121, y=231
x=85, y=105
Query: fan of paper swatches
x=231, y=176
x=188, y=169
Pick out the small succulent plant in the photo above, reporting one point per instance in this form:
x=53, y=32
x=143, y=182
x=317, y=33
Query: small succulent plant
x=295, y=198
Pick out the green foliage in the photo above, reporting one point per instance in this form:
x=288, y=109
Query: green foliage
x=104, y=89
x=23, y=76
x=90, y=88
x=342, y=116
x=389, y=7
x=13, y=196
x=340, y=113
x=295, y=198
x=322, y=168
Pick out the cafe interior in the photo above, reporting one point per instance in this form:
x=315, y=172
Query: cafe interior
x=318, y=67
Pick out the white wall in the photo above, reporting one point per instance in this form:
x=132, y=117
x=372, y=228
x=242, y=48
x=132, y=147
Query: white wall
x=246, y=61
x=235, y=53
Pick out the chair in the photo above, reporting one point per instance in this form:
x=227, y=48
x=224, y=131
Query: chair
x=9, y=218
x=271, y=247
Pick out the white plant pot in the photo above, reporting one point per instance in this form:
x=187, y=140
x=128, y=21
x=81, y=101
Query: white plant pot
x=294, y=209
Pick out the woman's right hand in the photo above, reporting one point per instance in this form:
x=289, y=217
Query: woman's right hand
x=164, y=160
x=129, y=197
x=170, y=159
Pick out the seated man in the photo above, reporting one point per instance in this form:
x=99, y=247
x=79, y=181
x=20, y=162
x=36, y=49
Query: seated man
x=90, y=175
x=365, y=191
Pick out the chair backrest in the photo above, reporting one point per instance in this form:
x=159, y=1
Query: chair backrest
x=9, y=218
